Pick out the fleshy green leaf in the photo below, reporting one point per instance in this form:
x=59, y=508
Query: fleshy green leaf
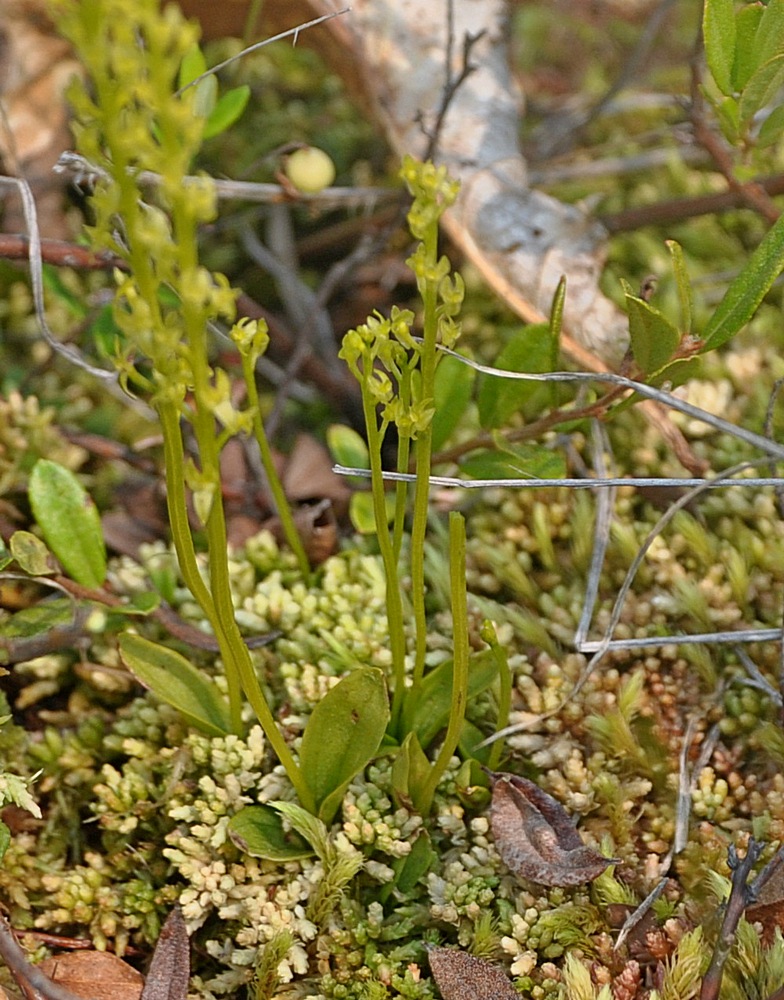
x=342, y=736
x=719, y=33
x=653, y=337
x=426, y=710
x=172, y=679
x=31, y=553
x=453, y=387
x=226, y=111
x=742, y=298
x=5, y=839
x=526, y=461
x=258, y=831
x=529, y=350
x=5, y=555
x=69, y=521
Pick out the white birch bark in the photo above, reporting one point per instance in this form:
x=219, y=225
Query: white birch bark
x=520, y=239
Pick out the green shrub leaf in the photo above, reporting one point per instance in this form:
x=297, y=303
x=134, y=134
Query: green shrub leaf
x=226, y=111
x=653, y=337
x=172, y=679
x=742, y=298
x=69, y=521
x=719, y=32
x=526, y=461
x=529, y=350
x=342, y=736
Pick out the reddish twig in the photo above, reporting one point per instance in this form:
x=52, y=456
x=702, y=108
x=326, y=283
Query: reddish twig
x=741, y=894
x=60, y=254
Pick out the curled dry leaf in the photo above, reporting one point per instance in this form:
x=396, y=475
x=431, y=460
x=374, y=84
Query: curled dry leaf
x=461, y=976
x=536, y=838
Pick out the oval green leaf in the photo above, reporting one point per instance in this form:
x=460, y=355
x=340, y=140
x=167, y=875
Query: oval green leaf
x=258, y=831
x=515, y=462
x=342, y=736
x=69, y=521
x=172, y=679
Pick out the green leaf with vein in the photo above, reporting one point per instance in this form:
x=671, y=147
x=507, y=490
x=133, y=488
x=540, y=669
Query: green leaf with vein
x=172, y=679
x=342, y=736
x=69, y=521
x=719, y=34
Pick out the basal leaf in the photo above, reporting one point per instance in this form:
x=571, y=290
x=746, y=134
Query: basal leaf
x=415, y=865
x=259, y=832
x=426, y=710
x=453, y=388
x=410, y=771
x=719, y=33
x=342, y=736
x=535, y=837
x=461, y=976
x=529, y=350
x=226, y=111
x=172, y=679
x=747, y=290
x=653, y=337
x=69, y=521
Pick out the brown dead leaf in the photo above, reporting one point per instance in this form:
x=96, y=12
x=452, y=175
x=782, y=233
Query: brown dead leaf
x=535, y=837
x=96, y=975
x=768, y=907
x=461, y=976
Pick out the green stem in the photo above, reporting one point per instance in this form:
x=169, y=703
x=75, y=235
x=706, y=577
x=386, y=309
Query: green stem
x=394, y=601
x=460, y=652
x=279, y=496
x=422, y=452
x=489, y=635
